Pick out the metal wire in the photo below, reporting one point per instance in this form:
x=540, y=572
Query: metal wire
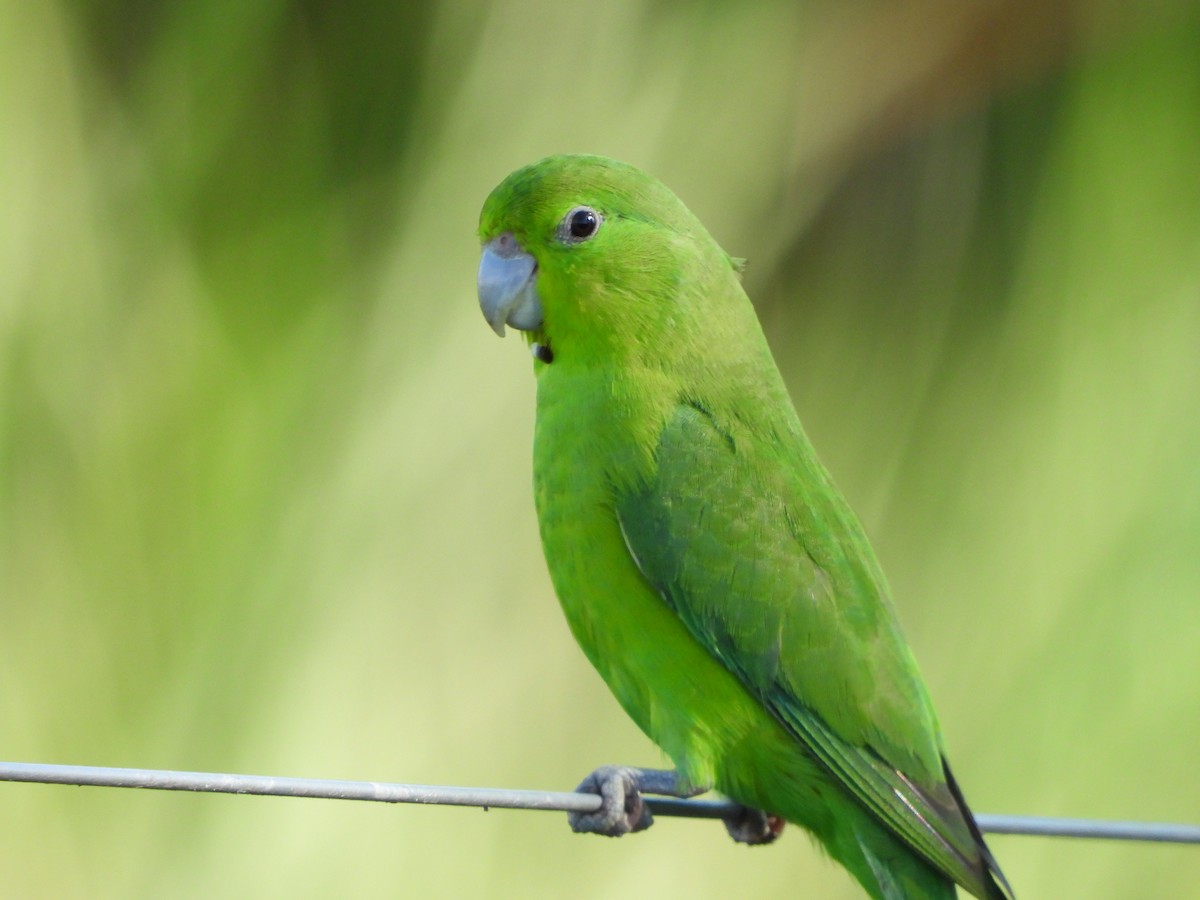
x=500, y=798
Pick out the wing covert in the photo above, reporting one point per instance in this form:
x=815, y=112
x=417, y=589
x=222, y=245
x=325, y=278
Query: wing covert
x=744, y=536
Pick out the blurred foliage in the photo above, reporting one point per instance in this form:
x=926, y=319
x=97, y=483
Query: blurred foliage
x=264, y=490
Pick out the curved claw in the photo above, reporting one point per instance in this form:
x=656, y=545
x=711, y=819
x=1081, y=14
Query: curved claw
x=754, y=827
x=622, y=810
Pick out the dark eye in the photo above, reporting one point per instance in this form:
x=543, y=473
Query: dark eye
x=579, y=224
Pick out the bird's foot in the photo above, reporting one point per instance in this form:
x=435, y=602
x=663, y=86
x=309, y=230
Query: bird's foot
x=754, y=827
x=622, y=809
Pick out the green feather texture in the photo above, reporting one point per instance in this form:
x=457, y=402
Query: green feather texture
x=706, y=563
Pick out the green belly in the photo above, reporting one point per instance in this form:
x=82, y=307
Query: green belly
x=682, y=697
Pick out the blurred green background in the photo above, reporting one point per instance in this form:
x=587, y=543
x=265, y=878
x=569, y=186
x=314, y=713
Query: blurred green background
x=264, y=470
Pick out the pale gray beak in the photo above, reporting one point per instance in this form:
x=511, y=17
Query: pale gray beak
x=508, y=286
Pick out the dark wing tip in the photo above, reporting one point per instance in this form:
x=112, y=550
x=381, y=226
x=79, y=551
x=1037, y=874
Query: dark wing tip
x=990, y=876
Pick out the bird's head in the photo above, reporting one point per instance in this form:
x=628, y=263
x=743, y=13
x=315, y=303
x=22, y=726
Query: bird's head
x=591, y=256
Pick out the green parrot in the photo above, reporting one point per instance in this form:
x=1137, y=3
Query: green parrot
x=705, y=562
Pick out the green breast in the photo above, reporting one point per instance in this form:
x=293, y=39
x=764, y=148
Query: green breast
x=591, y=439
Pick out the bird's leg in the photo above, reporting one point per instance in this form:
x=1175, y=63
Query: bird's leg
x=753, y=826
x=622, y=809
